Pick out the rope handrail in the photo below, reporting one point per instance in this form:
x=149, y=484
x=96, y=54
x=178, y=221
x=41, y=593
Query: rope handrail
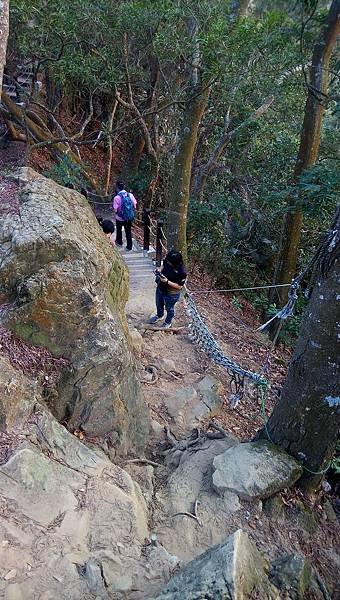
x=258, y=287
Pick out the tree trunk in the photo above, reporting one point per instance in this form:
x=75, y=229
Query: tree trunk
x=306, y=418
x=110, y=152
x=53, y=95
x=135, y=156
x=309, y=144
x=180, y=183
x=4, y=22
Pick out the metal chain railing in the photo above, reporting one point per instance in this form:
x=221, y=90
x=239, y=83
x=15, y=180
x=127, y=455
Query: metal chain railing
x=200, y=333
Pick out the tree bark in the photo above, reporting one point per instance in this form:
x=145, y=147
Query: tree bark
x=53, y=96
x=180, y=183
x=306, y=418
x=309, y=144
x=4, y=24
x=110, y=153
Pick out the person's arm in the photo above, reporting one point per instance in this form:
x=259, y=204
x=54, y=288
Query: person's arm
x=175, y=286
x=116, y=204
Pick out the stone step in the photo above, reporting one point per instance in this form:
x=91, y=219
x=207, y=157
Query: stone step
x=141, y=277
x=144, y=266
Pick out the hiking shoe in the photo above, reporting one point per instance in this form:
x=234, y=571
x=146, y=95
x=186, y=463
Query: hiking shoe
x=166, y=325
x=154, y=319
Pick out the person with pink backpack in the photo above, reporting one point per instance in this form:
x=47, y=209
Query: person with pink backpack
x=124, y=206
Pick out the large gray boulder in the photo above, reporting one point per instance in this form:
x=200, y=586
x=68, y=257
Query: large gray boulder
x=65, y=287
x=234, y=570
x=254, y=470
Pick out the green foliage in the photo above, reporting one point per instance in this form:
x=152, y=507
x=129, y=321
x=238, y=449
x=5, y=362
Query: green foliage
x=67, y=173
x=316, y=192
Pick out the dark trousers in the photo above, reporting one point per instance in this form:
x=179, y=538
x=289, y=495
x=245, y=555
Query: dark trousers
x=168, y=302
x=119, y=228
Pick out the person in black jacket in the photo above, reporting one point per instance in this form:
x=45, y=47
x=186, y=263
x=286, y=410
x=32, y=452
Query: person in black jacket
x=170, y=279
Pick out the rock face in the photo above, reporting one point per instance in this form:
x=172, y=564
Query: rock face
x=254, y=470
x=189, y=405
x=188, y=484
x=17, y=394
x=66, y=287
x=234, y=570
x=72, y=524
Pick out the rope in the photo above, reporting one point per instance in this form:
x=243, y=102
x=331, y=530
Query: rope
x=259, y=287
x=95, y=202
x=164, y=248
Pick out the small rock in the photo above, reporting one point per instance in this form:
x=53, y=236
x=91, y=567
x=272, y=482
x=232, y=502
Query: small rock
x=254, y=470
x=291, y=574
x=94, y=576
x=157, y=429
x=167, y=364
x=305, y=517
x=326, y=486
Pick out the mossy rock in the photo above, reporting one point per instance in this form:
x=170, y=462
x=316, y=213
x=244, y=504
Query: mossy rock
x=291, y=574
x=273, y=507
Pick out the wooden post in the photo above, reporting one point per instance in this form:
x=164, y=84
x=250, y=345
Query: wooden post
x=146, y=222
x=159, y=236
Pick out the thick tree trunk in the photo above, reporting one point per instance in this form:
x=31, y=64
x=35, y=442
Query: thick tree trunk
x=4, y=22
x=309, y=144
x=180, y=183
x=53, y=95
x=134, y=158
x=306, y=418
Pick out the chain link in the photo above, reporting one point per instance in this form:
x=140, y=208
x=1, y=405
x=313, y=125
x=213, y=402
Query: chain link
x=200, y=334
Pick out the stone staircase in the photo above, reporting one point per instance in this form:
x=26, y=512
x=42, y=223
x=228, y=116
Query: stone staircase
x=19, y=87
x=142, y=287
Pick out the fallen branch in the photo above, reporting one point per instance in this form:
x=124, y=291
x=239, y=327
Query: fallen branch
x=144, y=461
x=189, y=514
x=170, y=330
